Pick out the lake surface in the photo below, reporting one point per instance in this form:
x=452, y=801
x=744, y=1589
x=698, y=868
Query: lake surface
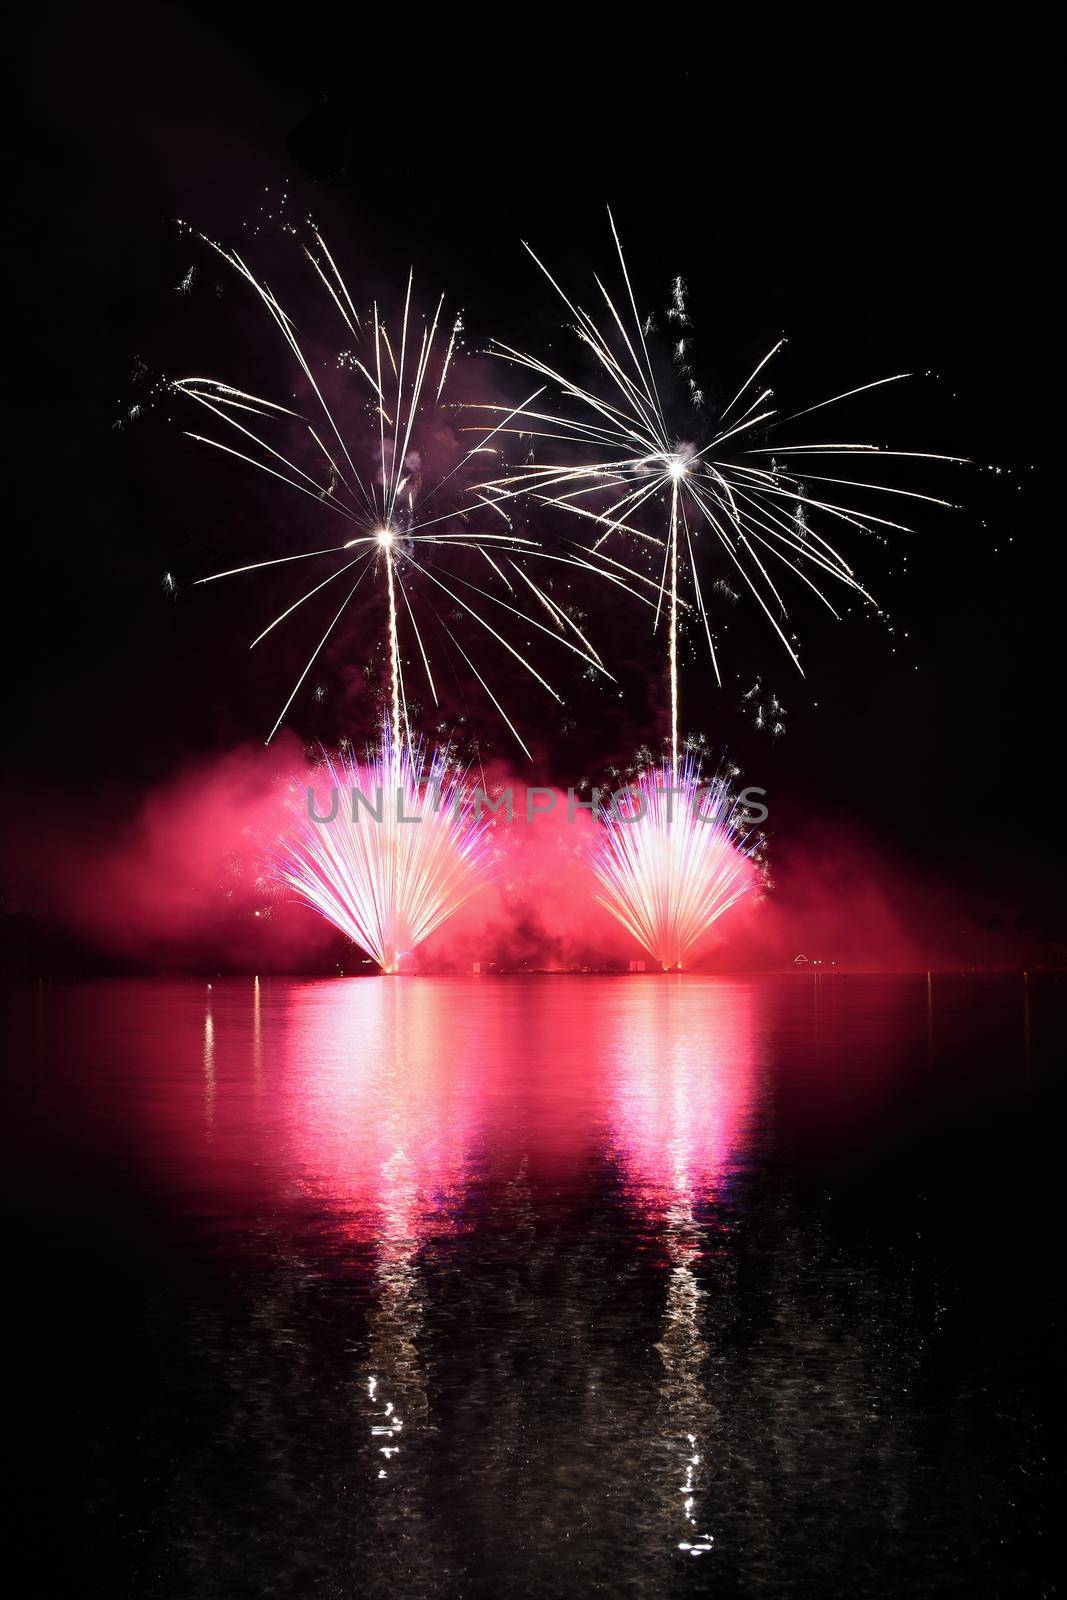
x=541, y=1286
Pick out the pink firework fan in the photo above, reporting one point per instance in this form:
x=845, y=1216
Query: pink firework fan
x=398, y=848
x=673, y=856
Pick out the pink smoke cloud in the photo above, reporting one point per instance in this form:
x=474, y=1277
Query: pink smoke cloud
x=184, y=880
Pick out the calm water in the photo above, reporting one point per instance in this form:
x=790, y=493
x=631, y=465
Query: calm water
x=541, y=1286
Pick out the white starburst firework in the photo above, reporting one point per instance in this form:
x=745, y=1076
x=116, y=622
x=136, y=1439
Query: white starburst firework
x=624, y=470
x=361, y=459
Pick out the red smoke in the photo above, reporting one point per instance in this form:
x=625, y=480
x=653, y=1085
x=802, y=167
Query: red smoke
x=183, y=882
x=180, y=880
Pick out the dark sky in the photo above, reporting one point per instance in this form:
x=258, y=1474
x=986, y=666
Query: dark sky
x=885, y=204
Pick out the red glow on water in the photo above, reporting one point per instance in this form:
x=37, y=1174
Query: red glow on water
x=379, y=1108
x=683, y=1081
x=394, y=1096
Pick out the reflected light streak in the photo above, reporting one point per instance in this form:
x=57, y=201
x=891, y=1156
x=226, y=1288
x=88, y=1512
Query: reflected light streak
x=684, y=1070
x=257, y=1036
x=209, y=1073
x=382, y=1134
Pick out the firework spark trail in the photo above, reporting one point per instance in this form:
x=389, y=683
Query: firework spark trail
x=385, y=880
x=673, y=855
x=618, y=443
x=389, y=512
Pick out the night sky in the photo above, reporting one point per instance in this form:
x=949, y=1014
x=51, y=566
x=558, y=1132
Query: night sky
x=886, y=208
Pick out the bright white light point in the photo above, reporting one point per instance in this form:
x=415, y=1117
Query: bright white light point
x=677, y=468
x=384, y=537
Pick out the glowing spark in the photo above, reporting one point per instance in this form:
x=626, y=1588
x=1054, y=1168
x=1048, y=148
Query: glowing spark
x=405, y=543
x=623, y=453
x=672, y=857
x=387, y=880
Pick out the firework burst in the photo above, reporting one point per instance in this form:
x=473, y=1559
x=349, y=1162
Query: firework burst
x=673, y=855
x=402, y=850
x=363, y=461
x=626, y=471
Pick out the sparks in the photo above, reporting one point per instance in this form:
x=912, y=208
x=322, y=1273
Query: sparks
x=672, y=857
x=623, y=469
x=414, y=537
x=403, y=848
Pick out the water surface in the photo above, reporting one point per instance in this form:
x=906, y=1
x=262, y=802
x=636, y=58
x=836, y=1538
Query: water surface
x=541, y=1286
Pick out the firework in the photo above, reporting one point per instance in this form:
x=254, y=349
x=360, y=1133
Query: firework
x=625, y=470
x=672, y=857
x=412, y=535
x=402, y=850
